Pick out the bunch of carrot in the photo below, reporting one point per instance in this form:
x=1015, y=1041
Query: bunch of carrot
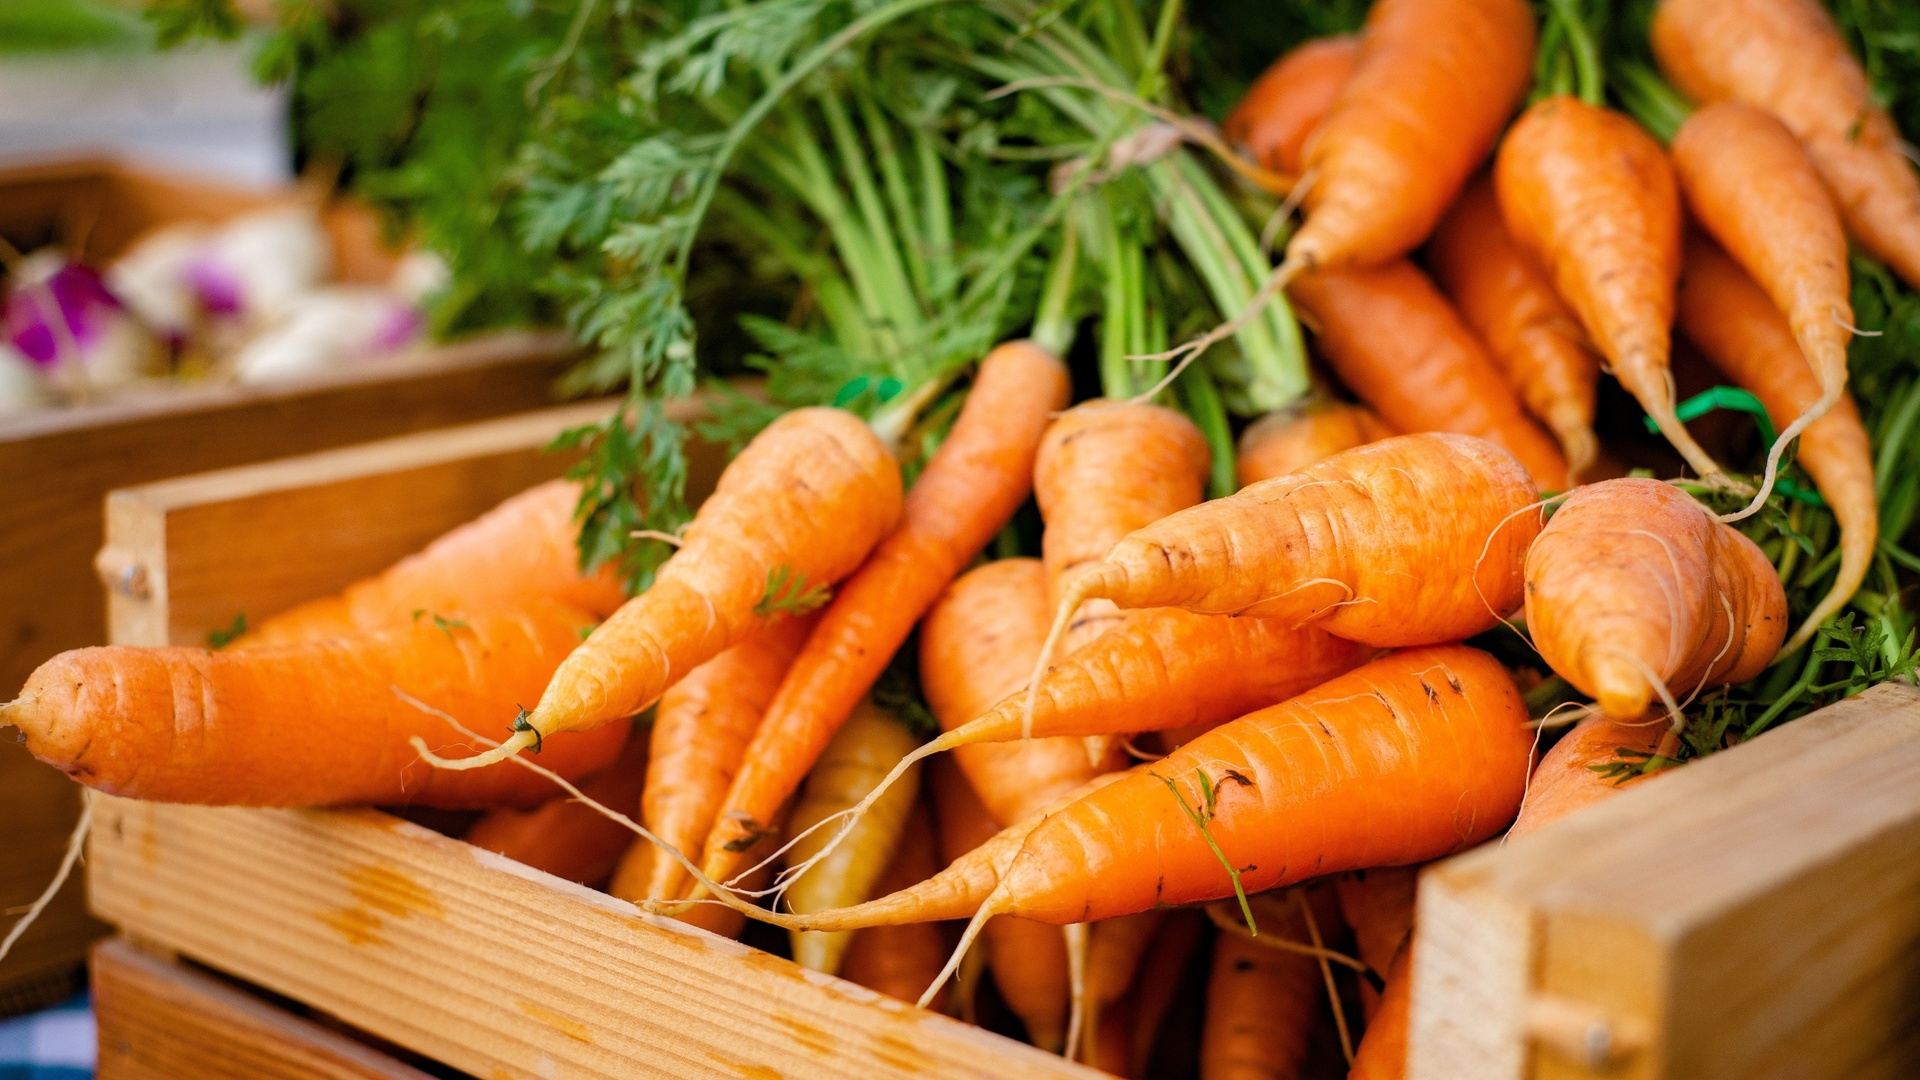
x=1182, y=726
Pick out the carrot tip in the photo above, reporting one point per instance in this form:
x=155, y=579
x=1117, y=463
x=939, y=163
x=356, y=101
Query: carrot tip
x=520, y=740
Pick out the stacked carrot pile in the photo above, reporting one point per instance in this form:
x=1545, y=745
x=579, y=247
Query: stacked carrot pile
x=1208, y=705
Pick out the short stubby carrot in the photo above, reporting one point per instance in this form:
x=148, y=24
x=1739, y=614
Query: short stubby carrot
x=1787, y=57
x=1594, y=199
x=1636, y=594
x=1431, y=87
x=319, y=723
x=1261, y=1005
x=1289, y=99
x=1747, y=181
x=1411, y=757
x=797, y=510
x=700, y=733
x=566, y=837
x=976, y=647
x=1532, y=335
x=1567, y=780
x=523, y=549
x=1290, y=439
x=1398, y=345
x=970, y=488
x=1412, y=540
x=1734, y=323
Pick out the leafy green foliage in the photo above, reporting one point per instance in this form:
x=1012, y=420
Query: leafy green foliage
x=48, y=25
x=898, y=692
x=788, y=593
x=220, y=639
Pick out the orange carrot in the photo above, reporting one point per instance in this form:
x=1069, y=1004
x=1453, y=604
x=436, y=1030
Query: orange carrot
x=1382, y=1054
x=1158, y=985
x=1633, y=589
x=1594, y=200
x=1289, y=99
x=1397, y=343
x=1028, y=959
x=1741, y=332
x=1262, y=1003
x=630, y=879
x=1289, y=792
x=566, y=837
x=1114, y=951
x=1532, y=335
x=1289, y=440
x=317, y=723
x=901, y=961
x=797, y=510
x=970, y=487
x=1432, y=85
x=1566, y=780
x=976, y=646
x=1749, y=183
x=1378, y=905
x=1786, y=56
x=1415, y=539
x=700, y=732
x=523, y=549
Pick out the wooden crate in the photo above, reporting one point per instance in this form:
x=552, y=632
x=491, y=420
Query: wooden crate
x=55, y=470
x=1756, y=914
x=447, y=950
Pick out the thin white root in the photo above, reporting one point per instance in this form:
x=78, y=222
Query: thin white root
x=988, y=909
x=1326, y=974
x=1226, y=916
x=656, y=534
x=1805, y=420
x=76, y=843
x=1487, y=547
x=719, y=893
x=1070, y=603
x=518, y=741
x=850, y=815
x=1076, y=936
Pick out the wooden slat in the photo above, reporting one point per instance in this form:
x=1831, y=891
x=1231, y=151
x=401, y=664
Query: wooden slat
x=1755, y=914
x=160, y=1020
x=190, y=554
x=496, y=969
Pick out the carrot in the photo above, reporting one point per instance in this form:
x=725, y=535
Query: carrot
x=797, y=510
x=1633, y=589
x=523, y=549
x=1594, y=200
x=1787, y=57
x=700, y=732
x=860, y=753
x=1382, y=1054
x=1028, y=959
x=1288, y=440
x=1532, y=335
x=1377, y=904
x=631, y=876
x=977, y=646
x=1743, y=334
x=1749, y=183
x=1112, y=1050
x=565, y=837
x=1381, y=544
x=1115, y=948
x=969, y=489
x=1262, y=1003
x=1289, y=99
x=1438, y=734
x=901, y=961
x=317, y=723
x=1431, y=87
x=1428, y=372
x=1566, y=779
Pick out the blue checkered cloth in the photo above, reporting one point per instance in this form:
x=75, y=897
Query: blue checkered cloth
x=55, y=1044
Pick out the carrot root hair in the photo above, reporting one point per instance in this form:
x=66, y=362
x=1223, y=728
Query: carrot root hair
x=1829, y=397
x=848, y=818
x=1076, y=936
x=994, y=904
x=1077, y=594
x=76, y=843
x=1326, y=974
x=521, y=739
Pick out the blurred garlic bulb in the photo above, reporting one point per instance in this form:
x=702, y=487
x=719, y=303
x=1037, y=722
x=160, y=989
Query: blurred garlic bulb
x=21, y=389
x=329, y=328
x=151, y=277
x=61, y=317
x=418, y=275
x=255, y=266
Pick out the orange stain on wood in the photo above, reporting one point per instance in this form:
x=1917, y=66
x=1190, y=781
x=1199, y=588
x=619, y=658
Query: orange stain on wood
x=747, y=1072
x=898, y=1053
x=807, y=1035
x=565, y=1025
x=380, y=891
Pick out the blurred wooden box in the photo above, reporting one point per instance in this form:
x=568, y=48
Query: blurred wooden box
x=57, y=465
x=446, y=950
